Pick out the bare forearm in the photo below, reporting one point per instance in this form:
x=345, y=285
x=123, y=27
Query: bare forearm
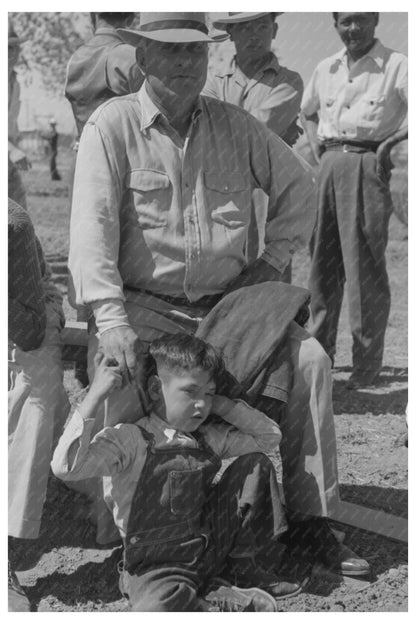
x=310, y=124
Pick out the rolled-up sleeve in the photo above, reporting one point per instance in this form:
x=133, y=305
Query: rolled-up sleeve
x=289, y=182
x=310, y=100
x=244, y=430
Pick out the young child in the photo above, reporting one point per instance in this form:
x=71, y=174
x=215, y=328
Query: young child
x=180, y=531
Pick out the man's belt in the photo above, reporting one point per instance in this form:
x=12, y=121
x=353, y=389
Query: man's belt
x=207, y=301
x=350, y=146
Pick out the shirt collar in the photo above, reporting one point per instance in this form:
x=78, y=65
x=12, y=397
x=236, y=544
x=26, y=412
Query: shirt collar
x=150, y=112
x=377, y=53
x=160, y=428
x=107, y=30
x=231, y=67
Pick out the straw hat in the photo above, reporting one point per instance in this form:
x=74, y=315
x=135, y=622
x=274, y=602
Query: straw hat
x=239, y=18
x=171, y=28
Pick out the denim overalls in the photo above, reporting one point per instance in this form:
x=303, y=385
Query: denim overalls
x=166, y=522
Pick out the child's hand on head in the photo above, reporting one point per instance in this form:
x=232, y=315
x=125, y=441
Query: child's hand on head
x=221, y=405
x=107, y=376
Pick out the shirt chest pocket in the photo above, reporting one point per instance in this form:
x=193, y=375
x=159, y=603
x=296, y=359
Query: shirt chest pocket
x=151, y=194
x=228, y=197
x=373, y=107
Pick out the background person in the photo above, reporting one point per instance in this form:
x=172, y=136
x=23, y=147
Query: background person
x=102, y=68
x=37, y=402
x=354, y=110
x=255, y=80
x=17, y=159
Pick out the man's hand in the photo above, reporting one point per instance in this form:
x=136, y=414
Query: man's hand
x=317, y=150
x=122, y=344
x=19, y=159
x=384, y=164
x=258, y=272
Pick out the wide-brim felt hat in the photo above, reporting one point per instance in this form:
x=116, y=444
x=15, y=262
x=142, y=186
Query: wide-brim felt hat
x=171, y=28
x=239, y=18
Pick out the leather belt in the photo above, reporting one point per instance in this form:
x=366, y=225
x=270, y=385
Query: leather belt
x=350, y=146
x=207, y=301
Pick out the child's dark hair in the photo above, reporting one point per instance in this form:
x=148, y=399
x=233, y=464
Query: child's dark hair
x=184, y=352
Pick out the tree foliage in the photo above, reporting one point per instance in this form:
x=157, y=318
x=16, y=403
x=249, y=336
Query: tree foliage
x=50, y=40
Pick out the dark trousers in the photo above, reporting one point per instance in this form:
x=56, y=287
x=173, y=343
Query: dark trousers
x=244, y=517
x=350, y=238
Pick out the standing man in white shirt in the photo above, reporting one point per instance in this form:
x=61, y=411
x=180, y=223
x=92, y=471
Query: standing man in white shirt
x=354, y=110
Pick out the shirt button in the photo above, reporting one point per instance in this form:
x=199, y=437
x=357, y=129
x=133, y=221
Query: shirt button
x=133, y=540
x=350, y=80
x=344, y=132
x=348, y=106
x=226, y=188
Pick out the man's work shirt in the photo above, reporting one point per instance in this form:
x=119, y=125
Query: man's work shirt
x=153, y=212
x=273, y=95
x=365, y=103
x=119, y=453
x=103, y=68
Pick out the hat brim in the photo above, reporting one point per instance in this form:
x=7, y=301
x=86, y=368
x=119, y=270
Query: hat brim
x=239, y=19
x=169, y=35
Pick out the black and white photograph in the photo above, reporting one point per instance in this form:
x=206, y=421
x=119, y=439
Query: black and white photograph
x=208, y=311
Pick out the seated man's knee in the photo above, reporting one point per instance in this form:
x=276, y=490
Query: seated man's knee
x=313, y=356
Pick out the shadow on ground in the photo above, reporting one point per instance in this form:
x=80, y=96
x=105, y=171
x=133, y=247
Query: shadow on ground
x=388, y=396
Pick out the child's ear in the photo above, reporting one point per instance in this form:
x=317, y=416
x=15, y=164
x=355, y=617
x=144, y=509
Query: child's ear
x=154, y=388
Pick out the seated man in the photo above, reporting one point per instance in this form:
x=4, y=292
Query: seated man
x=160, y=215
x=38, y=404
x=179, y=531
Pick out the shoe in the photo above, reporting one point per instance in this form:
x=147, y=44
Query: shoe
x=363, y=379
x=18, y=601
x=246, y=572
x=314, y=539
x=222, y=596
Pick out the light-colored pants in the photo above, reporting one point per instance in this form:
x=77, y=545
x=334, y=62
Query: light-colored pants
x=308, y=446
x=38, y=408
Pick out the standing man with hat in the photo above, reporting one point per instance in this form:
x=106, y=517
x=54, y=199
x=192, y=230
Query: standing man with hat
x=255, y=80
x=161, y=208
x=354, y=112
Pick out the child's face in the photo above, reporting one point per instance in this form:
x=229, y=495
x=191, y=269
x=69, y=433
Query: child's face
x=187, y=397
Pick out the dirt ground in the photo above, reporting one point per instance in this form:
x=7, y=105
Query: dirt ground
x=65, y=570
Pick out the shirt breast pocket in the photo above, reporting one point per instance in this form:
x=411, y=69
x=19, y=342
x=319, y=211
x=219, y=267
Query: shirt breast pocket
x=151, y=194
x=229, y=198
x=374, y=106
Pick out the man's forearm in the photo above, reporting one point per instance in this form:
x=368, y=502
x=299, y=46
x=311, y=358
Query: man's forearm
x=398, y=136
x=310, y=124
